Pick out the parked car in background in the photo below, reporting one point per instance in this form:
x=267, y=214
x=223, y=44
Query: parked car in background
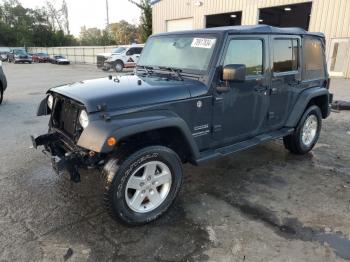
x=59, y=60
x=40, y=58
x=122, y=57
x=3, y=83
x=19, y=56
x=4, y=51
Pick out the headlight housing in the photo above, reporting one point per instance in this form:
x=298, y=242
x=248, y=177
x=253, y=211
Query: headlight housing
x=83, y=119
x=50, y=101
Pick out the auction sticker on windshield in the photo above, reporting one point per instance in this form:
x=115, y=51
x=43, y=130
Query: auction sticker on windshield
x=203, y=42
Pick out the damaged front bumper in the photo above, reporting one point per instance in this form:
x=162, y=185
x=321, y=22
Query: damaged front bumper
x=65, y=156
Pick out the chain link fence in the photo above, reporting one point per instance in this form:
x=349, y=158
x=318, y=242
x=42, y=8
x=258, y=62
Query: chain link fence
x=76, y=54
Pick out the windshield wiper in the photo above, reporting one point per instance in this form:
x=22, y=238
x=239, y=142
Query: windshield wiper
x=176, y=71
x=148, y=69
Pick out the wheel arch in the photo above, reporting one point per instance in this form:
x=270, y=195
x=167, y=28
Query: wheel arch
x=143, y=128
x=118, y=61
x=313, y=96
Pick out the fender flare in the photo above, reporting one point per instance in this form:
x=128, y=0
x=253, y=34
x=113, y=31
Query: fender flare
x=303, y=100
x=95, y=136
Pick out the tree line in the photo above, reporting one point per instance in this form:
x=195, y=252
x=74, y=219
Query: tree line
x=49, y=26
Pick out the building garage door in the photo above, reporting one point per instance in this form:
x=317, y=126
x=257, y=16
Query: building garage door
x=179, y=24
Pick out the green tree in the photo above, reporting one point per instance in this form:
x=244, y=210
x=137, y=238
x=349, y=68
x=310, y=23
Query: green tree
x=95, y=36
x=145, y=28
x=123, y=32
x=21, y=26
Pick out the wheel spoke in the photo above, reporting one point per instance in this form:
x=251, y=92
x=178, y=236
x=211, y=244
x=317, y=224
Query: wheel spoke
x=137, y=199
x=135, y=182
x=163, y=178
x=150, y=170
x=154, y=197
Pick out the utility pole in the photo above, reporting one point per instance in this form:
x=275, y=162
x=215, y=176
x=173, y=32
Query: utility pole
x=107, y=13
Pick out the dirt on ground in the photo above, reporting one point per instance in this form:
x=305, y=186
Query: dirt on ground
x=263, y=204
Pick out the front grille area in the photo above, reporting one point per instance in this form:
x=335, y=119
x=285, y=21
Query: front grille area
x=65, y=116
x=100, y=61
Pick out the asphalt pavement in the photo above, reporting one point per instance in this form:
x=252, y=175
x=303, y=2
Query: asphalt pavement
x=263, y=204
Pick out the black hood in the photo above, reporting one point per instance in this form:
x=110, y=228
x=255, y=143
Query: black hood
x=129, y=91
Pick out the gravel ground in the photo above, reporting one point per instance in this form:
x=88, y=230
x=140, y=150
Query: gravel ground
x=260, y=205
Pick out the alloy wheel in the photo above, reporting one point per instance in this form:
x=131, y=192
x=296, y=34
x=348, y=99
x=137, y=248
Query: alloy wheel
x=309, y=130
x=148, y=187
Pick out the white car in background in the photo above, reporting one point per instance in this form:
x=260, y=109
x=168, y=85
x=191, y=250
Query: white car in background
x=121, y=57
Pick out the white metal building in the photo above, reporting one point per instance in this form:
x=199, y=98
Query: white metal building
x=332, y=17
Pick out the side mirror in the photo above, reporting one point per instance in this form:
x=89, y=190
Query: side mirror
x=234, y=73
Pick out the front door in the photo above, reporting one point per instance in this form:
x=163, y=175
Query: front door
x=285, y=79
x=240, y=112
x=133, y=55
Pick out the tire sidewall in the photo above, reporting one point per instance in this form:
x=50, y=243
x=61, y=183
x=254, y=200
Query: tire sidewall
x=1, y=95
x=313, y=110
x=125, y=171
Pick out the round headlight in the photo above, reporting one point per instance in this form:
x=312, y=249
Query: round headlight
x=50, y=101
x=83, y=119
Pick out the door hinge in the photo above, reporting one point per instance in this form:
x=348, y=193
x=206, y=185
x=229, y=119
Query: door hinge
x=217, y=99
x=216, y=128
x=271, y=115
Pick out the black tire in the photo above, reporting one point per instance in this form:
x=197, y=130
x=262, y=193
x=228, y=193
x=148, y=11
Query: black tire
x=294, y=142
x=118, y=66
x=117, y=173
x=1, y=94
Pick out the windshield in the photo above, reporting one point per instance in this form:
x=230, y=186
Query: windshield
x=118, y=50
x=179, y=51
x=19, y=52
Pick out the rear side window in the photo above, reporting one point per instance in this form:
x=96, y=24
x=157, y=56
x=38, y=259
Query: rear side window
x=285, y=55
x=248, y=52
x=314, y=59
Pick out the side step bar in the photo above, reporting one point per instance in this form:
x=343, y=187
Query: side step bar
x=240, y=146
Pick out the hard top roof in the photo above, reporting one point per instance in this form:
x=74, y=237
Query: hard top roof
x=251, y=29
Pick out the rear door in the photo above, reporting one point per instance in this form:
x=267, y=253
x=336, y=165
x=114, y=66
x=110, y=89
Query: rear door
x=240, y=112
x=285, y=80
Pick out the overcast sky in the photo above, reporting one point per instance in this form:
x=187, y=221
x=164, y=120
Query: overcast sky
x=92, y=13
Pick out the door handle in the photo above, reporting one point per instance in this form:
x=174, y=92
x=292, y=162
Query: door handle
x=260, y=88
x=293, y=83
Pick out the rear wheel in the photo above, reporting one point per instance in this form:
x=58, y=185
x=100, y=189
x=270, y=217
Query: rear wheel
x=306, y=134
x=143, y=186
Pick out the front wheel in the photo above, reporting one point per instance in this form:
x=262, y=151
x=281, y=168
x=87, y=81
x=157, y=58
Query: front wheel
x=143, y=186
x=118, y=67
x=306, y=134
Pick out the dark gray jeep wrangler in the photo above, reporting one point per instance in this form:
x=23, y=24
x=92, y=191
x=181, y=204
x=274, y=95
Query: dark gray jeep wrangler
x=194, y=96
